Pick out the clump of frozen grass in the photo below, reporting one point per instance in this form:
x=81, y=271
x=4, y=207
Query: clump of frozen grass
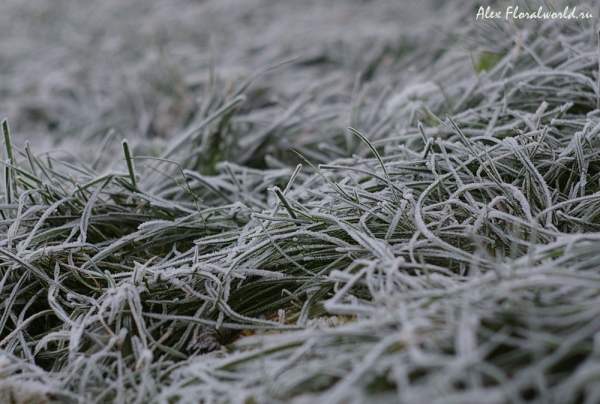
x=454, y=259
x=414, y=98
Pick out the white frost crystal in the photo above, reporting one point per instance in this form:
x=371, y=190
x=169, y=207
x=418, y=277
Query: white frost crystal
x=4, y=364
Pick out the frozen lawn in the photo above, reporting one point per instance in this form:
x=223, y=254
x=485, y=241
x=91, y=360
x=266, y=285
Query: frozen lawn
x=317, y=201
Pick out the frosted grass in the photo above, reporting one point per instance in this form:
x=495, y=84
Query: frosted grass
x=444, y=250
